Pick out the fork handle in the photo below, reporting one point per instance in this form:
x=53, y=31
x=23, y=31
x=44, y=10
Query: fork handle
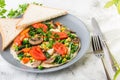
x=106, y=72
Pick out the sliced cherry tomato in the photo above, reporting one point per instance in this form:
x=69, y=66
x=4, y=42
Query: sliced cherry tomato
x=25, y=60
x=37, y=53
x=40, y=25
x=61, y=35
x=60, y=48
x=26, y=50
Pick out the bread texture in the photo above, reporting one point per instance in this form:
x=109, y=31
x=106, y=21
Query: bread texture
x=36, y=13
x=8, y=31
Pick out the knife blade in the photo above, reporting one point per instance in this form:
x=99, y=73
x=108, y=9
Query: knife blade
x=97, y=30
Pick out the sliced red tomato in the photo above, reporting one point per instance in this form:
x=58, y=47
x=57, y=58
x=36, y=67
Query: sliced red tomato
x=24, y=34
x=61, y=35
x=17, y=40
x=60, y=48
x=25, y=60
x=37, y=53
x=40, y=25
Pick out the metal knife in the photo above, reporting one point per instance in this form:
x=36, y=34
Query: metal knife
x=97, y=30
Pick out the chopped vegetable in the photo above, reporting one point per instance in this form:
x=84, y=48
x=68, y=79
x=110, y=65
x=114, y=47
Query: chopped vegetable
x=60, y=35
x=25, y=31
x=37, y=53
x=60, y=48
x=39, y=31
x=57, y=23
x=47, y=54
x=71, y=35
x=68, y=57
x=64, y=60
x=50, y=26
x=16, y=48
x=31, y=33
x=40, y=25
x=21, y=47
x=20, y=55
x=40, y=67
x=18, y=40
x=50, y=44
x=58, y=59
x=25, y=60
x=25, y=41
x=26, y=50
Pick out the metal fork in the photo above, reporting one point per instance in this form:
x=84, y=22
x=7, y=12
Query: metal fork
x=98, y=51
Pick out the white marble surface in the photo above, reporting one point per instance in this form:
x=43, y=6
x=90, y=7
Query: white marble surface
x=89, y=67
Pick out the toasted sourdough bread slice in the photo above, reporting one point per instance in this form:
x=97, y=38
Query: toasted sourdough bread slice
x=8, y=31
x=35, y=13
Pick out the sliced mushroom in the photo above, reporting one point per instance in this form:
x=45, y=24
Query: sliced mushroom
x=76, y=40
x=18, y=52
x=51, y=60
x=36, y=40
x=36, y=64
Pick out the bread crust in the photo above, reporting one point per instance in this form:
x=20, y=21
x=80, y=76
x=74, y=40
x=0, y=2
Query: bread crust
x=4, y=46
x=22, y=25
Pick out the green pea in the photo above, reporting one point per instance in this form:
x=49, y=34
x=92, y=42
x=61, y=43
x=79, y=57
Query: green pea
x=25, y=41
x=16, y=48
x=40, y=67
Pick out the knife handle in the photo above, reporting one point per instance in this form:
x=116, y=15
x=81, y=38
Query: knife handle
x=106, y=72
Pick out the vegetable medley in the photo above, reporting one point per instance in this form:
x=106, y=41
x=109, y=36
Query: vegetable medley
x=46, y=43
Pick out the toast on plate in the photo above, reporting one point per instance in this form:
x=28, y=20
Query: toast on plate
x=36, y=13
x=8, y=31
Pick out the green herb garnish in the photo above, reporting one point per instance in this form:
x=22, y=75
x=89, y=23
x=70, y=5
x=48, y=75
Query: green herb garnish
x=20, y=55
x=58, y=59
x=47, y=54
x=56, y=35
x=12, y=13
x=21, y=47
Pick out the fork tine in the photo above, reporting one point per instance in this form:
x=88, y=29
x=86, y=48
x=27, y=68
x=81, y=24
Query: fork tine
x=96, y=43
x=98, y=51
x=93, y=44
x=100, y=43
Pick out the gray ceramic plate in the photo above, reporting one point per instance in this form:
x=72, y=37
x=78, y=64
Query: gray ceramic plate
x=71, y=22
